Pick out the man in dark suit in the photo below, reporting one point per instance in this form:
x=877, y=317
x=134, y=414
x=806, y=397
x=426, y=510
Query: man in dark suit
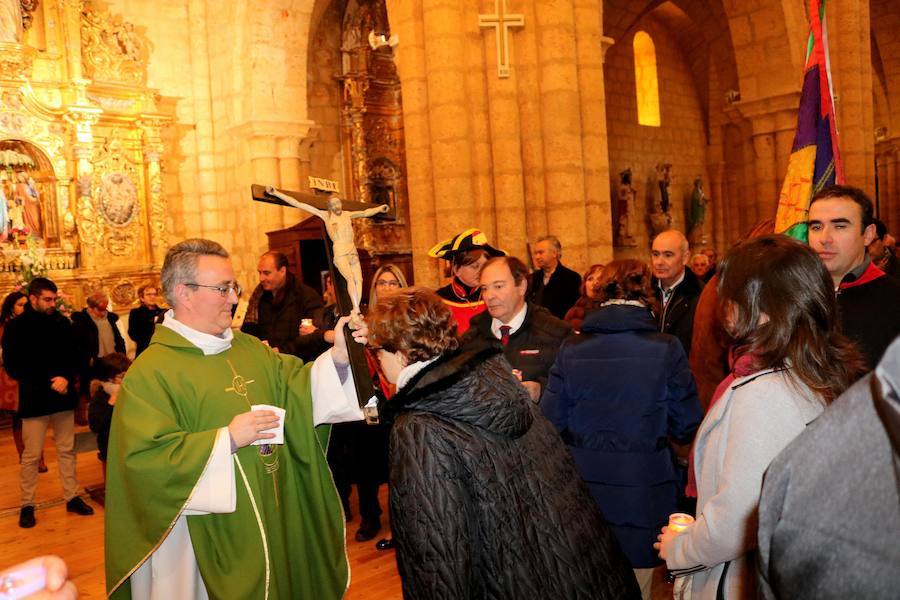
x=553, y=286
x=676, y=286
x=529, y=334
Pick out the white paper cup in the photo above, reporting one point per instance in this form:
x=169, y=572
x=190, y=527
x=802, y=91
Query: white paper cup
x=278, y=431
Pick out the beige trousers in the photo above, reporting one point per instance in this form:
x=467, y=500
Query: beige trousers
x=645, y=582
x=34, y=430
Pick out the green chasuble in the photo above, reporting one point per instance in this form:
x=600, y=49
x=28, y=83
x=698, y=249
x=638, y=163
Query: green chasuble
x=285, y=538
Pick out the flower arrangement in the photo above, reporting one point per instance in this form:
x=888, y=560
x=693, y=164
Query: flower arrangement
x=33, y=266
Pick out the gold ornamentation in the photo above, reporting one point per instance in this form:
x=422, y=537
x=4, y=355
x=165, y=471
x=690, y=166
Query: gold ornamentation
x=111, y=48
x=16, y=61
x=124, y=294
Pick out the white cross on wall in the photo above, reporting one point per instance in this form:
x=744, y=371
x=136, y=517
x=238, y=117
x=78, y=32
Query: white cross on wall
x=501, y=23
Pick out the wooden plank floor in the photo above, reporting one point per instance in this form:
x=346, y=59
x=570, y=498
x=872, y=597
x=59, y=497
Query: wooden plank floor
x=79, y=540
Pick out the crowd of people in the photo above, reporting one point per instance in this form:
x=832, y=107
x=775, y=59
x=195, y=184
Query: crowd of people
x=538, y=427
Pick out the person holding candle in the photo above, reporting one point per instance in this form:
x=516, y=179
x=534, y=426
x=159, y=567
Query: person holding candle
x=788, y=362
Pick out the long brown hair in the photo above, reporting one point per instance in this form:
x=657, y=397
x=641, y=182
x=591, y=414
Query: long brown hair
x=627, y=279
x=777, y=278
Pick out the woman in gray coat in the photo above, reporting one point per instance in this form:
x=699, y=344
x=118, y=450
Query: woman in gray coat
x=777, y=302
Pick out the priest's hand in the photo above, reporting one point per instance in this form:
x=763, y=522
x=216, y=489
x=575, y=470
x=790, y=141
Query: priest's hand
x=247, y=427
x=339, y=353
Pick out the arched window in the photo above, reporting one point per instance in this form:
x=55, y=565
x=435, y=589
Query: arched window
x=646, y=80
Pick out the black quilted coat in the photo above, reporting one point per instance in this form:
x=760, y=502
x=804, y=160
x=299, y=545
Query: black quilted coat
x=485, y=500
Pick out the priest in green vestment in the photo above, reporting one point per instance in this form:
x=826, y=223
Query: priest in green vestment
x=199, y=502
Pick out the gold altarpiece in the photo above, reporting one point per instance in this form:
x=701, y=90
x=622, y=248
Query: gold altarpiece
x=81, y=148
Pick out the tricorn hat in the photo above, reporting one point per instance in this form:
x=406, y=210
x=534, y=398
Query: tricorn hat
x=470, y=239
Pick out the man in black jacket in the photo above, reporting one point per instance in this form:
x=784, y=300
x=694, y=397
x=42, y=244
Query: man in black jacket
x=39, y=352
x=676, y=287
x=142, y=320
x=278, y=306
x=841, y=225
x=553, y=286
x=529, y=334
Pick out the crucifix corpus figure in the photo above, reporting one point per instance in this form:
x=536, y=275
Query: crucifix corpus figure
x=339, y=225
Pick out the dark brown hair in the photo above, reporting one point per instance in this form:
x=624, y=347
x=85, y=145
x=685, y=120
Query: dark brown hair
x=780, y=278
x=627, y=279
x=111, y=365
x=858, y=196
x=461, y=259
x=518, y=269
x=413, y=321
x=9, y=303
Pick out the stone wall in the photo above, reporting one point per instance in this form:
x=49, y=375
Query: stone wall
x=680, y=140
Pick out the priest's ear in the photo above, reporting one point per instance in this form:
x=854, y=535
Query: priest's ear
x=183, y=295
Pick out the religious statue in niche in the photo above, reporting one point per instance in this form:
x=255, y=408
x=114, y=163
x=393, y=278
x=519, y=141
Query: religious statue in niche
x=625, y=211
x=660, y=216
x=698, y=213
x=339, y=225
x=26, y=195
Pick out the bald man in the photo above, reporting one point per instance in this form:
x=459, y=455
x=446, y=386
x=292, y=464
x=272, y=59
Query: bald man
x=676, y=286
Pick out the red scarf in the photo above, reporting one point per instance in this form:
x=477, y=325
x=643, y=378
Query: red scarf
x=870, y=274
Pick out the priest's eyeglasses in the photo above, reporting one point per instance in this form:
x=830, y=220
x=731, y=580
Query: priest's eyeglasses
x=223, y=290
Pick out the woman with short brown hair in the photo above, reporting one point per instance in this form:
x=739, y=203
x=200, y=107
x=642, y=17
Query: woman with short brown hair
x=485, y=501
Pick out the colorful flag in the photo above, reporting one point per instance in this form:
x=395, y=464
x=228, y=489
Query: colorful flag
x=815, y=161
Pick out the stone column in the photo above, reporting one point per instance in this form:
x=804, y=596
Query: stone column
x=562, y=131
x=773, y=120
x=851, y=69
x=156, y=200
x=591, y=47
x=90, y=230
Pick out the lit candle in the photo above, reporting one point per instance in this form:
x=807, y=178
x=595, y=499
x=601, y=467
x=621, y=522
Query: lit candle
x=678, y=522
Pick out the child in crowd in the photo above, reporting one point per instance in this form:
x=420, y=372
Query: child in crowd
x=109, y=372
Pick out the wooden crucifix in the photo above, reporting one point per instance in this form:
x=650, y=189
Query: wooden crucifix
x=501, y=22
x=343, y=261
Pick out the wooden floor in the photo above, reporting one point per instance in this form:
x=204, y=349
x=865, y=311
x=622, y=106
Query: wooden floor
x=79, y=540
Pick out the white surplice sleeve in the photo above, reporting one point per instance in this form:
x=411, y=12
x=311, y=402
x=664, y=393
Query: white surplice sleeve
x=333, y=401
x=215, y=490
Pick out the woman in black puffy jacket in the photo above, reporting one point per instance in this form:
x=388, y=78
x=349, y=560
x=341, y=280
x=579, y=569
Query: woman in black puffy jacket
x=485, y=500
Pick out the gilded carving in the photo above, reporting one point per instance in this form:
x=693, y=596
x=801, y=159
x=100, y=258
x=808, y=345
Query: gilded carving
x=111, y=48
x=124, y=294
x=120, y=243
x=118, y=199
x=16, y=60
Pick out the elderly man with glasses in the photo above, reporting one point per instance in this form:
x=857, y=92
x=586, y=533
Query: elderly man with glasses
x=217, y=483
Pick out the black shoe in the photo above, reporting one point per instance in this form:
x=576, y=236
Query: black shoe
x=368, y=530
x=77, y=505
x=26, y=517
x=385, y=544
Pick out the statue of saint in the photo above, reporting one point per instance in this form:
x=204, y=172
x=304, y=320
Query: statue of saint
x=625, y=208
x=338, y=224
x=28, y=195
x=660, y=218
x=11, y=27
x=698, y=211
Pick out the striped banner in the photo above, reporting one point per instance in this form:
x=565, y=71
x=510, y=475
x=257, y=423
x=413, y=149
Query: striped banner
x=815, y=161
